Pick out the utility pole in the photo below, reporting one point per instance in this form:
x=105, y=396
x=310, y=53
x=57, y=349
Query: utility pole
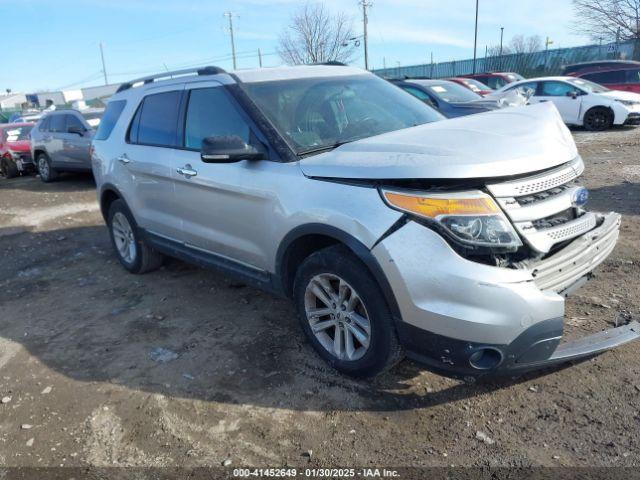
x=260, y=58
x=365, y=20
x=229, y=15
x=501, y=37
x=475, y=41
x=104, y=69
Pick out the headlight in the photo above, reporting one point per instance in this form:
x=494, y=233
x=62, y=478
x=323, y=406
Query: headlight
x=629, y=103
x=473, y=218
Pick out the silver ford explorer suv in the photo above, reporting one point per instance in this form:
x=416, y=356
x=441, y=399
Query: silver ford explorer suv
x=393, y=230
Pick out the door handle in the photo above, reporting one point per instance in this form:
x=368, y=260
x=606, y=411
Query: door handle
x=187, y=171
x=123, y=158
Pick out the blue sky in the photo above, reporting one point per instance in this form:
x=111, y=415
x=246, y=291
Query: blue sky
x=53, y=44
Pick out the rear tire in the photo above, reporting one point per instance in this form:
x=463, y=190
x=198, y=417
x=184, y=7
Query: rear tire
x=133, y=253
x=46, y=171
x=349, y=305
x=598, y=119
x=9, y=169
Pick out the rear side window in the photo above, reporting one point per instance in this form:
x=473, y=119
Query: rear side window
x=109, y=120
x=57, y=123
x=156, y=121
x=211, y=113
x=44, y=125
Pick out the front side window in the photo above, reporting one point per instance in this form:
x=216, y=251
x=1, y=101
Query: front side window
x=111, y=116
x=73, y=121
x=210, y=114
x=557, y=89
x=320, y=113
x=157, y=120
x=58, y=123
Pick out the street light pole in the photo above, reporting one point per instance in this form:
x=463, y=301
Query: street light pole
x=475, y=41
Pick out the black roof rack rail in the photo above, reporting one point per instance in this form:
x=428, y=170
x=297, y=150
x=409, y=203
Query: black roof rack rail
x=331, y=63
x=209, y=70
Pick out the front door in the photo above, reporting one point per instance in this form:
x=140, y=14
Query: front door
x=566, y=97
x=76, y=146
x=226, y=207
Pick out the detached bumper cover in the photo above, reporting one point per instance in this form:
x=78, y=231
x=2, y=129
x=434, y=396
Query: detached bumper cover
x=633, y=119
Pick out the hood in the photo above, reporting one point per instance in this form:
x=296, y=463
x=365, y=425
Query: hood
x=509, y=141
x=620, y=95
x=19, y=146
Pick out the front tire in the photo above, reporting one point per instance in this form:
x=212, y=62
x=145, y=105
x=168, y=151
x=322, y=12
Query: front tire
x=46, y=171
x=598, y=119
x=344, y=315
x=134, y=254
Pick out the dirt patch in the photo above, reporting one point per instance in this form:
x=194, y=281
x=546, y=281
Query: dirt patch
x=244, y=385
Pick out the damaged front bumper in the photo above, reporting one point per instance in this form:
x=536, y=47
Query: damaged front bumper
x=465, y=319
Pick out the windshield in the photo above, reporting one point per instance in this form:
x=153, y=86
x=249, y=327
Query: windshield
x=451, y=92
x=588, y=86
x=315, y=114
x=514, y=77
x=475, y=85
x=17, y=134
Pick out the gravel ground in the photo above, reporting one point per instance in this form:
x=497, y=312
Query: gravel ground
x=185, y=368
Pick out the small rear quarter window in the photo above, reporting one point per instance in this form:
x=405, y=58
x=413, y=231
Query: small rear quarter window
x=109, y=119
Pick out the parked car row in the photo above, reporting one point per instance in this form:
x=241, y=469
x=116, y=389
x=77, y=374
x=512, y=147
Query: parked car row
x=59, y=141
x=580, y=101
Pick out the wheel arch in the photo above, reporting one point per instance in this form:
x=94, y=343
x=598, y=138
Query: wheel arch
x=305, y=240
x=609, y=108
x=108, y=194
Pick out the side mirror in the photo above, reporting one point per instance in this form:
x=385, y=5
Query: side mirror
x=228, y=149
x=572, y=94
x=76, y=129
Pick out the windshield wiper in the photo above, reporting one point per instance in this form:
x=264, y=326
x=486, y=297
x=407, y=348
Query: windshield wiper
x=323, y=148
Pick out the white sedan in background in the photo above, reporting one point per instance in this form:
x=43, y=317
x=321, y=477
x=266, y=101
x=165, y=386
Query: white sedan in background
x=580, y=102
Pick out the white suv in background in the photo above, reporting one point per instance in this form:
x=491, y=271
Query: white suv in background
x=580, y=102
x=392, y=229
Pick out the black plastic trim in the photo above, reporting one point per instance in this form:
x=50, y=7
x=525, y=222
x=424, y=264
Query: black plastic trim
x=244, y=273
x=355, y=245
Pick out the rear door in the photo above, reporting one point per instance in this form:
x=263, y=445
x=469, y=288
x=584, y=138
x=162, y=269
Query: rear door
x=566, y=97
x=147, y=161
x=76, y=145
x=55, y=138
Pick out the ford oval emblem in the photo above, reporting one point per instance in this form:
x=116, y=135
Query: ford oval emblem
x=580, y=197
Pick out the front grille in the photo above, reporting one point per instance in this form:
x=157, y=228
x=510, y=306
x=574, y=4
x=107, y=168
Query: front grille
x=541, y=207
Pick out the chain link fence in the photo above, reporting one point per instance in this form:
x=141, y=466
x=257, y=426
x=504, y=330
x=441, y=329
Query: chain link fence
x=536, y=64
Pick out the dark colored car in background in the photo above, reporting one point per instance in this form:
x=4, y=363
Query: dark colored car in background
x=495, y=80
x=473, y=85
x=597, y=66
x=626, y=79
x=15, y=152
x=61, y=141
x=449, y=98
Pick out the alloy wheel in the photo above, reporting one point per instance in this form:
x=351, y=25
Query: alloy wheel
x=337, y=317
x=43, y=167
x=123, y=236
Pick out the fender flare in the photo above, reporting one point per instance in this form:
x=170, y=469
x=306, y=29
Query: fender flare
x=358, y=248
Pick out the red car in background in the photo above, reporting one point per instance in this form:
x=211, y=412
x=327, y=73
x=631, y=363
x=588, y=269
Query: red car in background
x=495, y=80
x=15, y=150
x=473, y=85
x=614, y=74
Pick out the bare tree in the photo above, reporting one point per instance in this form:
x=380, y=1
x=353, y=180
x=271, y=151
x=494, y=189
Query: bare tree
x=315, y=36
x=522, y=44
x=608, y=19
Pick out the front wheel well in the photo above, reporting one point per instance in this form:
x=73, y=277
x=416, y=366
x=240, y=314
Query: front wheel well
x=297, y=251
